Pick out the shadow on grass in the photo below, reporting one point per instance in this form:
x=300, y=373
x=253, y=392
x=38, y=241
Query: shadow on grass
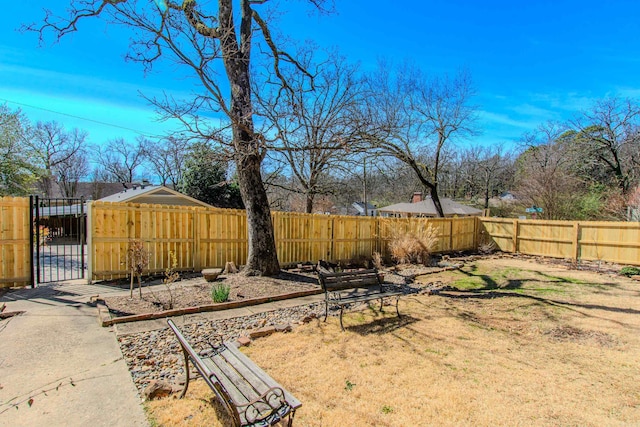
x=480, y=295
x=488, y=283
x=383, y=325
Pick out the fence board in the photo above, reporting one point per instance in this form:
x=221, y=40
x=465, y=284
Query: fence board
x=15, y=255
x=617, y=242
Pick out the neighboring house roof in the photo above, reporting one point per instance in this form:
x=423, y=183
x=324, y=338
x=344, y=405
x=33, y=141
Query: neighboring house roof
x=428, y=208
x=154, y=194
x=88, y=190
x=359, y=206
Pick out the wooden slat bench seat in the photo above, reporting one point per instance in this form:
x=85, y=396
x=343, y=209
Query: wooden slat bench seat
x=249, y=395
x=345, y=288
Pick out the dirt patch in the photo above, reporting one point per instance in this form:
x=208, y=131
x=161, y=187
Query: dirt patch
x=571, y=333
x=197, y=292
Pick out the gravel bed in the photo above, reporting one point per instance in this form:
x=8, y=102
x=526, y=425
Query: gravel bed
x=156, y=355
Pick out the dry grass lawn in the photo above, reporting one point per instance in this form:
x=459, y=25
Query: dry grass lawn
x=519, y=344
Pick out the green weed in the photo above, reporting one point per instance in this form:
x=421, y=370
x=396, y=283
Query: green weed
x=220, y=292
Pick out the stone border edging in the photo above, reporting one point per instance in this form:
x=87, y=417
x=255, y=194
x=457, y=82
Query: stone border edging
x=105, y=318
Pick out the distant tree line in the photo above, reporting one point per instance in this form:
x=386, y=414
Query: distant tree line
x=325, y=156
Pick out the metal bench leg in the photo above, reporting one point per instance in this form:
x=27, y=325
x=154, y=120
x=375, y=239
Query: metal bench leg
x=186, y=368
x=397, y=311
x=381, y=304
x=291, y=415
x=341, y=311
x=326, y=310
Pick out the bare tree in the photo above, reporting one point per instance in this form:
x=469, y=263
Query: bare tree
x=487, y=171
x=120, y=159
x=54, y=148
x=608, y=138
x=544, y=177
x=204, y=40
x=70, y=171
x=412, y=117
x=312, y=124
x=166, y=158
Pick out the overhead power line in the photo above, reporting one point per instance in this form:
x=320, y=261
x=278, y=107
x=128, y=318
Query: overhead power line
x=79, y=117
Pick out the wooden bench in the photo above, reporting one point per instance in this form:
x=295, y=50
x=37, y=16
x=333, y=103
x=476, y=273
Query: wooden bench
x=248, y=394
x=350, y=287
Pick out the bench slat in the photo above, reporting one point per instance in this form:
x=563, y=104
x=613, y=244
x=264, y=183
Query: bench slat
x=262, y=375
x=353, y=286
x=238, y=389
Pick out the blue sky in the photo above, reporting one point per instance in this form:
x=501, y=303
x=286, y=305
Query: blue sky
x=530, y=61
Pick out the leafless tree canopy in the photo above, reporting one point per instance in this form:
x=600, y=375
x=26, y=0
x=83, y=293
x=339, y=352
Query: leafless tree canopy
x=312, y=125
x=412, y=117
x=214, y=43
x=120, y=159
x=59, y=153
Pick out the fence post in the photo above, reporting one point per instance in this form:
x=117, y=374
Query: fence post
x=197, y=262
x=515, y=236
x=90, y=251
x=576, y=243
x=332, y=246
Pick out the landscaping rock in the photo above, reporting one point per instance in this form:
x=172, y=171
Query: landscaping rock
x=262, y=332
x=309, y=318
x=211, y=274
x=244, y=341
x=283, y=328
x=230, y=268
x=157, y=389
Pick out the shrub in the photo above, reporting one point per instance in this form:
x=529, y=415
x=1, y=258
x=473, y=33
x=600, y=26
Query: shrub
x=412, y=242
x=137, y=260
x=630, y=271
x=377, y=261
x=220, y=292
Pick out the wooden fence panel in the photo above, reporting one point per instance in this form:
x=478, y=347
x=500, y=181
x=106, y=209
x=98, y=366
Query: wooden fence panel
x=452, y=234
x=500, y=231
x=221, y=236
x=163, y=229
x=617, y=242
x=545, y=237
x=353, y=237
x=464, y=232
x=15, y=255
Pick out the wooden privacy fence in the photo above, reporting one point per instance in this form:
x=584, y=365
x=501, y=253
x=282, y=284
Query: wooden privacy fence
x=203, y=238
x=15, y=258
x=617, y=242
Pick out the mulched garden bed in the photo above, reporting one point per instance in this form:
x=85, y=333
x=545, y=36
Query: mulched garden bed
x=197, y=292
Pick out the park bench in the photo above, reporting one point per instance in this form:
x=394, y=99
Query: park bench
x=344, y=288
x=248, y=394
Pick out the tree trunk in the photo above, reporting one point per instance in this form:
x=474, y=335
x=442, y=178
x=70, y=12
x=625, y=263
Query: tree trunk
x=436, y=200
x=309, y=208
x=262, y=258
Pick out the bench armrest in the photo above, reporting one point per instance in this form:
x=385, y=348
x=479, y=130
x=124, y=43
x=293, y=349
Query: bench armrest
x=270, y=407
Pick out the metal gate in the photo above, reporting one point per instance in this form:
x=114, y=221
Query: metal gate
x=57, y=239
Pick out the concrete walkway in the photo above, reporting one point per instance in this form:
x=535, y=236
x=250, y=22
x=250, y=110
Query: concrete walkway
x=56, y=356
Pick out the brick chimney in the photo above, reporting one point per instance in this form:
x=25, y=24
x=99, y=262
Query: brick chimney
x=417, y=197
